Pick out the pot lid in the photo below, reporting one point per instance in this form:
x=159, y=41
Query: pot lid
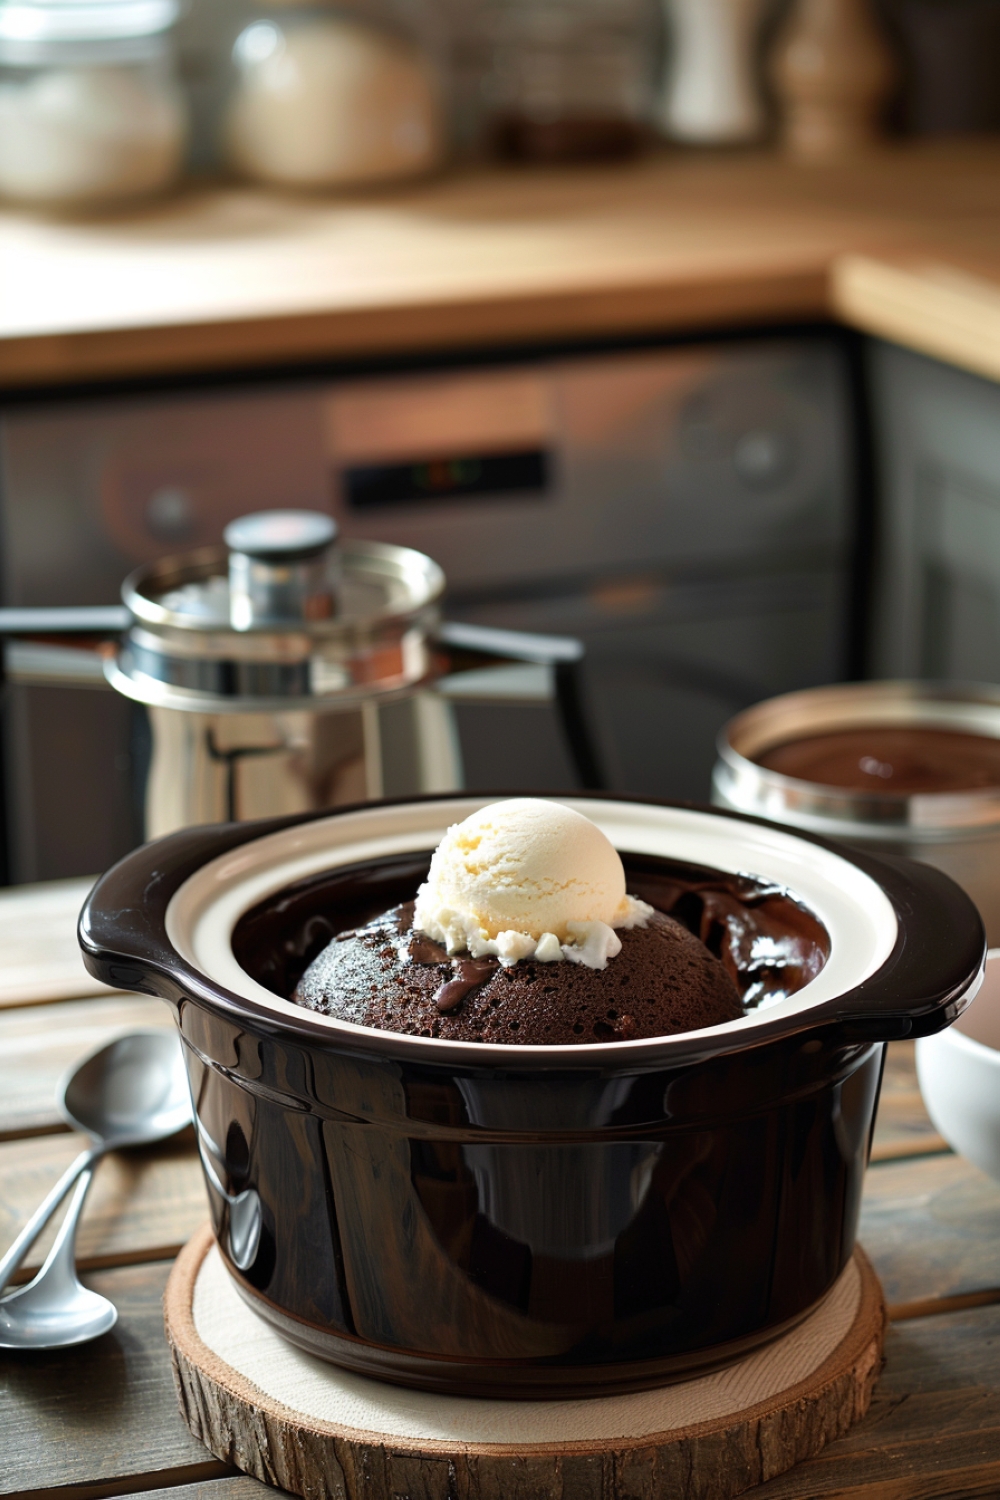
x=286, y=618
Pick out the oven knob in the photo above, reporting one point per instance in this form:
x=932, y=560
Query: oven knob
x=170, y=513
x=762, y=457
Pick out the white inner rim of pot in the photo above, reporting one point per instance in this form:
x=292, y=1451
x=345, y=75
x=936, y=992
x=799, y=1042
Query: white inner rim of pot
x=853, y=908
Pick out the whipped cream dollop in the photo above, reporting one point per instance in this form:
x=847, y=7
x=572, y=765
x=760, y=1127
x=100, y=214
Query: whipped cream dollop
x=527, y=878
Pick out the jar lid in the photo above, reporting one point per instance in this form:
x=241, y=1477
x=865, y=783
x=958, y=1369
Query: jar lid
x=26, y=25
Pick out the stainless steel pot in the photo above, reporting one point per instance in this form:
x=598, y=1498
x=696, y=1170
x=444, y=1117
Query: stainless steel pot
x=957, y=832
x=287, y=674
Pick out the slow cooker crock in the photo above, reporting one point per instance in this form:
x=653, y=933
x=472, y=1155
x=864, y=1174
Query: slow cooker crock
x=531, y=1221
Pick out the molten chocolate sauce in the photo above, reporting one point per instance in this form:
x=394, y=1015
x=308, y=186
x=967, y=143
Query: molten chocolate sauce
x=770, y=944
x=470, y=973
x=422, y=949
x=883, y=758
x=467, y=973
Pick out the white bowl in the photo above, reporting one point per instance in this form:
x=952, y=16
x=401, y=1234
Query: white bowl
x=959, y=1073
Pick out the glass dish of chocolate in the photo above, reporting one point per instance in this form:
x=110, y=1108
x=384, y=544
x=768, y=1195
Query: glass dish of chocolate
x=892, y=767
x=889, y=759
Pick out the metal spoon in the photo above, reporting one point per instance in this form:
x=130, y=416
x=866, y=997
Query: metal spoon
x=55, y=1310
x=131, y=1092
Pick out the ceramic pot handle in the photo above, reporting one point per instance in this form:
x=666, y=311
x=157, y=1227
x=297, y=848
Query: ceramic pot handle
x=122, y=927
x=935, y=968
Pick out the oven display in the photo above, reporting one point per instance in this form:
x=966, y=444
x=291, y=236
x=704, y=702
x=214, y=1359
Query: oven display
x=431, y=481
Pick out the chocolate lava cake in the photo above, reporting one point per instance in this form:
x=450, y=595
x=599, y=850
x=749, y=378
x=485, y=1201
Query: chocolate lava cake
x=388, y=976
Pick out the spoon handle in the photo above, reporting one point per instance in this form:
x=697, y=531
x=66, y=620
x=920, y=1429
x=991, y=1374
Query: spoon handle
x=58, y=1271
x=43, y=1213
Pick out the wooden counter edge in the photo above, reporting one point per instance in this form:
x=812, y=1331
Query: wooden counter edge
x=931, y=305
x=668, y=304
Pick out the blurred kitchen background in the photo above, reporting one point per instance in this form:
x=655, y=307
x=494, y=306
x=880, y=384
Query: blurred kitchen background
x=112, y=99
x=696, y=511
x=551, y=79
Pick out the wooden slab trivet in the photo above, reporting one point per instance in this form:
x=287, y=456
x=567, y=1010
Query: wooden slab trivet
x=309, y=1427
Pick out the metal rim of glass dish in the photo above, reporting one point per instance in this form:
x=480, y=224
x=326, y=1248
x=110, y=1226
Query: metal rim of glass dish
x=740, y=782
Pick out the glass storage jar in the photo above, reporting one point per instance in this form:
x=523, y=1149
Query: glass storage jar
x=570, y=79
x=330, y=95
x=90, y=109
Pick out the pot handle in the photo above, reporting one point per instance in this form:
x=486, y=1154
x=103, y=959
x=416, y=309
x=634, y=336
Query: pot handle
x=935, y=968
x=60, y=647
x=467, y=647
x=122, y=927
x=98, y=622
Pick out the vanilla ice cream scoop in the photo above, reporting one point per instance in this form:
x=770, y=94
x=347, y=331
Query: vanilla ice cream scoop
x=528, y=879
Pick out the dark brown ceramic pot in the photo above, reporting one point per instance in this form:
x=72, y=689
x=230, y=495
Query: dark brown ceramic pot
x=527, y=1221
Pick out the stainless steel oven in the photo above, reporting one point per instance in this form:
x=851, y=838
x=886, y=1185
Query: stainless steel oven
x=686, y=511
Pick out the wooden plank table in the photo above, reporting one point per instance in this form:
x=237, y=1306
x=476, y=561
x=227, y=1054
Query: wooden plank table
x=102, y=1420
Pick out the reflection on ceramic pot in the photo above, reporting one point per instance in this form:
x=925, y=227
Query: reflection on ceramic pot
x=959, y=1073
x=519, y=1220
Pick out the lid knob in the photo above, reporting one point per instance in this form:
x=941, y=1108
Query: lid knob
x=282, y=568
